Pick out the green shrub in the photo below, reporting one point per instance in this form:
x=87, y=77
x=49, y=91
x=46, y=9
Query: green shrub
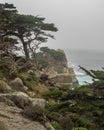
x=29, y=80
x=57, y=55
x=58, y=107
x=80, y=121
x=56, y=94
x=56, y=125
x=35, y=113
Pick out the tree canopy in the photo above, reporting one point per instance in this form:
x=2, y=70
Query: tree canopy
x=30, y=30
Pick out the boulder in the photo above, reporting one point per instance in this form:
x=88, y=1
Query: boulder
x=21, y=99
x=13, y=119
x=38, y=102
x=18, y=85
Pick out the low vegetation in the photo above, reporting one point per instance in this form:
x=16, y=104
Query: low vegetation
x=35, y=113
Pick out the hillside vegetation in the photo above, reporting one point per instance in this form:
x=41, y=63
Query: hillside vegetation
x=30, y=97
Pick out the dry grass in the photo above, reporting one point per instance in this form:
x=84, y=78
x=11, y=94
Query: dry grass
x=40, y=90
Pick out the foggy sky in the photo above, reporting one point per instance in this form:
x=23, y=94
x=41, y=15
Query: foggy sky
x=80, y=22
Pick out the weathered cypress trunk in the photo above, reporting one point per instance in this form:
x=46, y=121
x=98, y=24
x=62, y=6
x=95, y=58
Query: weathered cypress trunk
x=25, y=48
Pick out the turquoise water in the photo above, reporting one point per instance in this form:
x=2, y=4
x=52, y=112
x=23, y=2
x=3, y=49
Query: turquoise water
x=91, y=60
x=84, y=79
x=81, y=76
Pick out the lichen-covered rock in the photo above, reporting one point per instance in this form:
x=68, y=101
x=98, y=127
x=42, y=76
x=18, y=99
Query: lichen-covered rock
x=13, y=118
x=4, y=87
x=39, y=102
x=18, y=85
x=21, y=100
x=18, y=98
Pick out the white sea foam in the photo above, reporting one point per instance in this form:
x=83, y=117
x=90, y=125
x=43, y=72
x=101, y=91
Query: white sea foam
x=81, y=76
x=91, y=60
x=78, y=73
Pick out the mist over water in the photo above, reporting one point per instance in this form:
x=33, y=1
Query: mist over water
x=89, y=59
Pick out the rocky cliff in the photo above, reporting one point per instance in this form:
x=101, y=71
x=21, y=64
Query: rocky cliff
x=55, y=65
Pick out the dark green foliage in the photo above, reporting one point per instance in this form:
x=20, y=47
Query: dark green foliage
x=57, y=55
x=6, y=13
x=59, y=107
x=84, y=105
x=10, y=40
x=62, y=122
x=98, y=74
x=29, y=80
x=50, y=58
x=28, y=26
x=81, y=121
x=31, y=28
x=56, y=94
x=56, y=125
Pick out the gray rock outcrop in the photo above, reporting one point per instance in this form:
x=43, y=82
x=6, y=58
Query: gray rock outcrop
x=12, y=119
x=11, y=112
x=21, y=99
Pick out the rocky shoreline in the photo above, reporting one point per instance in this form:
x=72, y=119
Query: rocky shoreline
x=27, y=90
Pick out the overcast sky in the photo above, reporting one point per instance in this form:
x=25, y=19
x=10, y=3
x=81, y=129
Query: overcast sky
x=80, y=22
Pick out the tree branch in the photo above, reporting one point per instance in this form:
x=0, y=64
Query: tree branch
x=87, y=72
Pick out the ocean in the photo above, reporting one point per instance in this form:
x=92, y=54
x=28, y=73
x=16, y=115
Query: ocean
x=89, y=59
